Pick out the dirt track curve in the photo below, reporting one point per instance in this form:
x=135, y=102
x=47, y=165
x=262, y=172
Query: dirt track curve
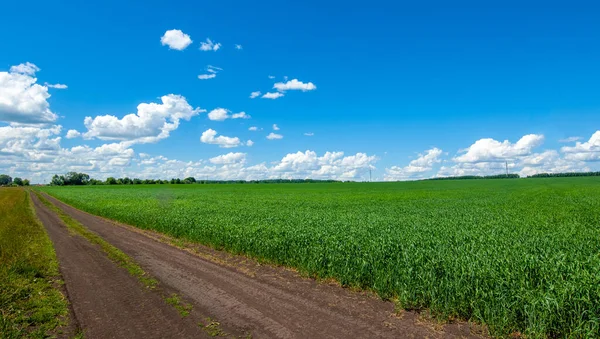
x=246, y=298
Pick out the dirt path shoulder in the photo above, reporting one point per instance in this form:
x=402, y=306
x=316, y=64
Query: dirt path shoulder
x=108, y=302
x=264, y=301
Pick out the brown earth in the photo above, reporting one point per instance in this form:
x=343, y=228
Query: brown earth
x=241, y=296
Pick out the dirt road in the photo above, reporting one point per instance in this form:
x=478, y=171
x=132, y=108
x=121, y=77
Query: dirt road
x=239, y=295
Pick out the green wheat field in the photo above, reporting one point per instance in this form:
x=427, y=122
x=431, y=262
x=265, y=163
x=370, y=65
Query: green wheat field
x=518, y=255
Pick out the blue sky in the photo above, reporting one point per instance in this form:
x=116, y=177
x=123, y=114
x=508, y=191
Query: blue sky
x=452, y=87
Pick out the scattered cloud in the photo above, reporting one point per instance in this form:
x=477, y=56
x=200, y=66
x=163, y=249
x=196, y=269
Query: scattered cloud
x=210, y=137
x=229, y=158
x=176, y=39
x=275, y=127
x=272, y=95
x=584, y=151
x=22, y=100
x=416, y=168
x=151, y=123
x=569, y=139
x=489, y=150
x=238, y=46
x=271, y=77
x=56, y=86
x=253, y=128
x=71, y=134
x=221, y=114
x=249, y=143
x=254, y=94
x=211, y=72
x=208, y=45
x=274, y=136
x=309, y=134
x=294, y=85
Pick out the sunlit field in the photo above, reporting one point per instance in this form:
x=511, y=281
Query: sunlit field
x=519, y=255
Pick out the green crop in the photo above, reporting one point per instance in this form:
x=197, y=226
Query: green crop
x=517, y=255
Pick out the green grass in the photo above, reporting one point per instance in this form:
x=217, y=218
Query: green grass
x=182, y=307
x=521, y=256
x=30, y=305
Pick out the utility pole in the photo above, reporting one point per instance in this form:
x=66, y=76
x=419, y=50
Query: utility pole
x=369, y=174
x=507, y=169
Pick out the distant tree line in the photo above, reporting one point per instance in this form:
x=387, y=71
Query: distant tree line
x=567, y=174
x=6, y=180
x=77, y=179
x=464, y=177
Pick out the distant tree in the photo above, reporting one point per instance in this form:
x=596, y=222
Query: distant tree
x=137, y=181
x=189, y=180
x=57, y=180
x=172, y=181
x=111, y=181
x=76, y=179
x=5, y=179
x=25, y=182
x=18, y=181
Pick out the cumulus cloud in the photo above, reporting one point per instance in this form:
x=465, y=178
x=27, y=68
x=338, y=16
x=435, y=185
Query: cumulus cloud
x=414, y=170
x=274, y=136
x=210, y=137
x=272, y=95
x=489, y=150
x=271, y=77
x=584, y=151
x=211, y=72
x=309, y=134
x=294, y=85
x=275, y=127
x=71, y=134
x=56, y=86
x=221, y=114
x=176, y=39
x=254, y=94
x=249, y=143
x=253, y=128
x=229, y=158
x=22, y=100
x=151, y=123
x=238, y=46
x=209, y=45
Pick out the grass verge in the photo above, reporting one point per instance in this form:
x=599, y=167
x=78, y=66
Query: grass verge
x=30, y=305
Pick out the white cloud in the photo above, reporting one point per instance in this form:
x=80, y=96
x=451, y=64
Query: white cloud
x=487, y=150
x=254, y=94
x=209, y=137
x=309, y=134
x=22, y=100
x=151, y=123
x=238, y=46
x=584, y=151
x=176, y=39
x=275, y=127
x=253, y=128
x=229, y=158
x=272, y=95
x=271, y=77
x=207, y=76
x=220, y=114
x=274, y=136
x=56, y=86
x=294, y=84
x=73, y=134
x=208, y=45
x=569, y=139
x=414, y=170
x=331, y=165
x=249, y=143
x=211, y=72
x=27, y=68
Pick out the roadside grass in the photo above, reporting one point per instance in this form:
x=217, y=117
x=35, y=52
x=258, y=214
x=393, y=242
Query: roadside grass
x=113, y=253
x=30, y=305
x=182, y=307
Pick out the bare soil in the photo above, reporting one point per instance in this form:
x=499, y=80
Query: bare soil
x=238, y=295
